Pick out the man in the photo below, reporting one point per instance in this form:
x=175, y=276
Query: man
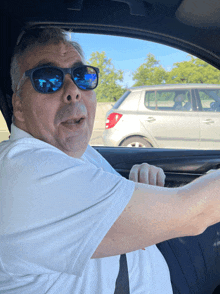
x=179, y=99
x=67, y=215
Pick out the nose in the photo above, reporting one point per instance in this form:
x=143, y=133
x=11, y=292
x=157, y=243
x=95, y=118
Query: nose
x=71, y=93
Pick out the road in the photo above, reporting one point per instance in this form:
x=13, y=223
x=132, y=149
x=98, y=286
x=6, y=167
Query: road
x=96, y=139
x=99, y=125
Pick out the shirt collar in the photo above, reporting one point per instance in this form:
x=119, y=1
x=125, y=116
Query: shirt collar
x=17, y=133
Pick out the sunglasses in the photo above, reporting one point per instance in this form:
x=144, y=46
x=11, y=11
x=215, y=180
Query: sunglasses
x=49, y=79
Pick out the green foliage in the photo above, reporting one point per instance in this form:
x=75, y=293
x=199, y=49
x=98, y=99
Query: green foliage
x=108, y=89
x=193, y=71
x=150, y=72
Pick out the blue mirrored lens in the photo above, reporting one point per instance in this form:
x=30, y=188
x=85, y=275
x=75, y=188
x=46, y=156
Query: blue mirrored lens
x=48, y=80
x=85, y=78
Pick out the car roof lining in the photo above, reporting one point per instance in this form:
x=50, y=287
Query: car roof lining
x=205, y=15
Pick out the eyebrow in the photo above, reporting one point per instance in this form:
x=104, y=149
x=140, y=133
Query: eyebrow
x=45, y=63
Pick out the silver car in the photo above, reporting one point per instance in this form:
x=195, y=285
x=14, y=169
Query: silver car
x=166, y=116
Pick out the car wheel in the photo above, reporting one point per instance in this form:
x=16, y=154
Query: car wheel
x=137, y=142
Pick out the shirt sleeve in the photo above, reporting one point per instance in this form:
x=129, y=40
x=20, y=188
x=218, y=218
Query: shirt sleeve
x=57, y=209
x=99, y=160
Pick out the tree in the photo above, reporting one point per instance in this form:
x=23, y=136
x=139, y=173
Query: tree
x=108, y=88
x=193, y=71
x=150, y=72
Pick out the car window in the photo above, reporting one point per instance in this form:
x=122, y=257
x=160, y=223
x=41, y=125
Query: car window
x=149, y=95
x=210, y=100
x=4, y=133
x=176, y=100
x=152, y=98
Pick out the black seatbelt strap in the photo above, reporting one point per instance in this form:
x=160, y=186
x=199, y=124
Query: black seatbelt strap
x=122, y=282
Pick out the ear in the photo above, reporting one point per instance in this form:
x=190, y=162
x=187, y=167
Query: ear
x=17, y=108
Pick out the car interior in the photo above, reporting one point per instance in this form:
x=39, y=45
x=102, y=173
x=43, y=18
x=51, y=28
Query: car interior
x=190, y=25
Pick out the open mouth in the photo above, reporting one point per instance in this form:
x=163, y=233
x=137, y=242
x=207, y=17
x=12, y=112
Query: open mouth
x=74, y=124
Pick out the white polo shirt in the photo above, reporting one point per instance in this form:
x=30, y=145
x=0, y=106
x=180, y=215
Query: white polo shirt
x=55, y=211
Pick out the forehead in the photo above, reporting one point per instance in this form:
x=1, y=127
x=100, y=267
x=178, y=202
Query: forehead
x=61, y=55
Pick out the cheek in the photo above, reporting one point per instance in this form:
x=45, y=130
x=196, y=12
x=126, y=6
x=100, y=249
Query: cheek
x=38, y=112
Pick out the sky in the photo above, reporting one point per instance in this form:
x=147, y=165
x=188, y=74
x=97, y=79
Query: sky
x=128, y=54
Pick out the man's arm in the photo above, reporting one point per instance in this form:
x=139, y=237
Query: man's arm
x=155, y=214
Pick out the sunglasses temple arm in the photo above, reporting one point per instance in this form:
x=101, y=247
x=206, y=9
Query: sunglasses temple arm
x=20, y=83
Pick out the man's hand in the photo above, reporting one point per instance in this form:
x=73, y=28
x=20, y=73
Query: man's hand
x=147, y=174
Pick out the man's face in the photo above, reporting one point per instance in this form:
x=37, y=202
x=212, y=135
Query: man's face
x=63, y=119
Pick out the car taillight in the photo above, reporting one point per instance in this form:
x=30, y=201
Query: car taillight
x=112, y=120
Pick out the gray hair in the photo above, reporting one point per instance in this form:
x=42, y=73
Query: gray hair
x=37, y=37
